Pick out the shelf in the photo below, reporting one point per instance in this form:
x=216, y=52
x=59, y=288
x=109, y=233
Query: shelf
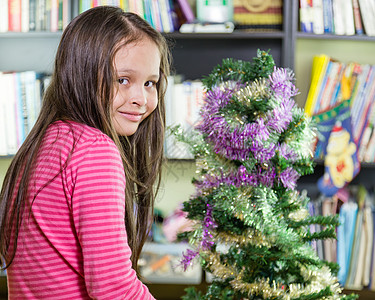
x=304, y=35
x=31, y=34
x=237, y=34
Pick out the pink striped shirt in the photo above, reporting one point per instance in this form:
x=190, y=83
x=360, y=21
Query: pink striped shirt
x=73, y=243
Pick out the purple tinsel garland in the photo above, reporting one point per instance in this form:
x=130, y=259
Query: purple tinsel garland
x=207, y=239
x=250, y=140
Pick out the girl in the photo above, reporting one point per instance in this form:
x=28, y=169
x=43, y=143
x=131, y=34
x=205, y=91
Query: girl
x=66, y=230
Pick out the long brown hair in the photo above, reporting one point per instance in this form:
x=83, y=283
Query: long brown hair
x=82, y=90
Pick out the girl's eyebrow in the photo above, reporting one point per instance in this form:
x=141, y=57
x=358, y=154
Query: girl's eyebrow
x=131, y=72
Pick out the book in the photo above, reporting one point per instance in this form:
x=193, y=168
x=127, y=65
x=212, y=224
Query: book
x=156, y=17
x=3, y=124
x=14, y=15
x=358, y=243
x=348, y=17
x=4, y=12
x=25, y=15
x=306, y=16
x=41, y=15
x=329, y=206
x=367, y=14
x=9, y=94
x=371, y=285
x=186, y=10
x=32, y=97
x=338, y=17
x=368, y=146
x=322, y=102
x=21, y=108
x=65, y=13
x=148, y=12
x=345, y=235
x=357, y=17
x=32, y=15
x=319, y=66
x=54, y=19
x=328, y=16
x=165, y=16
x=367, y=114
x=318, y=23
x=358, y=102
x=369, y=236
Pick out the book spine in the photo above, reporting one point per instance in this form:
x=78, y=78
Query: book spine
x=305, y=15
x=148, y=12
x=367, y=18
x=164, y=15
x=357, y=17
x=349, y=17
x=170, y=15
x=31, y=99
x=32, y=15
x=65, y=13
x=54, y=25
x=4, y=13
x=25, y=15
x=14, y=16
x=10, y=113
x=318, y=24
x=338, y=17
x=3, y=124
x=21, y=113
x=155, y=11
x=186, y=10
x=328, y=16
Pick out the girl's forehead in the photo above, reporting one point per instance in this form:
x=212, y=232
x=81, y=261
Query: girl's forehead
x=142, y=54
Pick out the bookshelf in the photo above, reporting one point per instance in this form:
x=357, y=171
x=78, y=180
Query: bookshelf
x=195, y=55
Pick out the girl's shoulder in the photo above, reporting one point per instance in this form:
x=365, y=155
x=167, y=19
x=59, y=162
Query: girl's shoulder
x=77, y=135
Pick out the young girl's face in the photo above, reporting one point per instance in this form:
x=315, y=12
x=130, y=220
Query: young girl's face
x=137, y=66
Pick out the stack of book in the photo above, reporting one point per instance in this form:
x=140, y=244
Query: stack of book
x=163, y=15
x=354, y=249
x=341, y=17
x=33, y=15
x=54, y=15
x=333, y=82
x=19, y=107
x=183, y=102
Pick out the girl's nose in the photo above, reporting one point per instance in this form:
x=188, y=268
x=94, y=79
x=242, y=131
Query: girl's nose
x=138, y=96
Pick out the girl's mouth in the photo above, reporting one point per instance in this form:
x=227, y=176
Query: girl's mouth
x=134, y=117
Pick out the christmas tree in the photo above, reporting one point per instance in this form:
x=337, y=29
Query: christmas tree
x=251, y=224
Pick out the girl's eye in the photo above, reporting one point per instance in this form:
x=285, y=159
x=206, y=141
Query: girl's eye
x=123, y=81
x=150, y=83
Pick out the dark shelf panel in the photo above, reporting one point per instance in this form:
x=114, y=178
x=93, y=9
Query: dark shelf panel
x=212, y=51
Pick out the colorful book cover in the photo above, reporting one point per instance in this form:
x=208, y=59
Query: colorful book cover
x=345, y=236
x=337, y=147
x=319, y=66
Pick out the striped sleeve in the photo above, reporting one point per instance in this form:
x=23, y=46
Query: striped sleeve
x=98, y=206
